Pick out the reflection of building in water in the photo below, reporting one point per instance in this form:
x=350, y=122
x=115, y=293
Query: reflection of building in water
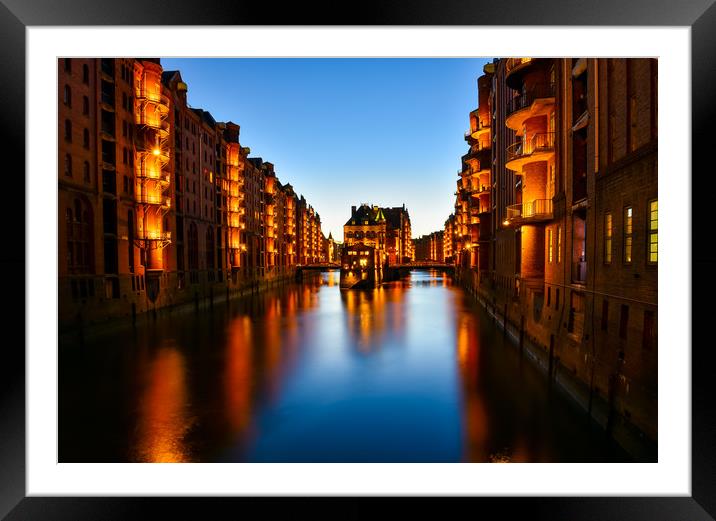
x=163, y=421
x=332, y=278
x=475, y=417
x=361, y=267
x=366, y=317
x=238, y=373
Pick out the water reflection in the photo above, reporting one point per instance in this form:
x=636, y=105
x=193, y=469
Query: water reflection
x=411, y=371
x=163, y=420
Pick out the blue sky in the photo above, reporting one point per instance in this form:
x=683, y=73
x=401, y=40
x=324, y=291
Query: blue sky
x=344, y=131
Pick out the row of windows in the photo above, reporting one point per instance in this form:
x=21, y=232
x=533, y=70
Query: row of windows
x=652, y=234
x=67, y=100
x=85, y=134
x=68, y=168
x=85, y=70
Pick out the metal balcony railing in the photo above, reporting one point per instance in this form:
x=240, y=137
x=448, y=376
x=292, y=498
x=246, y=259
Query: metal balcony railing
x=533, y=210
x=539, y=91
x=154, y=235
x=153, y=97
x=142, y=172
x=154, y=199
x=540, y=142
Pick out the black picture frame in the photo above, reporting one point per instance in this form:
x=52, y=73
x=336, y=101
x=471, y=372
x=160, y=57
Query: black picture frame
x=16, y=15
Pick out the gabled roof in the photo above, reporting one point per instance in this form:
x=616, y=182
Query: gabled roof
x=373, y=214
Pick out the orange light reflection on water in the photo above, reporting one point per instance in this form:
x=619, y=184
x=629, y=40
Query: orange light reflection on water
x=163, y=421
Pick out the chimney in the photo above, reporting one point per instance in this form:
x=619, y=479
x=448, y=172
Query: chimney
x=353, y=211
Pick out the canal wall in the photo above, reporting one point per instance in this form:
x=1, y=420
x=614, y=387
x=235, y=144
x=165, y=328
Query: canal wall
x=198, y=299
x=542, y=340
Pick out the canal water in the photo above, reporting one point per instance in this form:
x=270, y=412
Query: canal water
x=414, y=371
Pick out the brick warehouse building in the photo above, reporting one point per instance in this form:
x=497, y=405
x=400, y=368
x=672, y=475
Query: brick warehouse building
x=386, y=229
x=569, y=253
x=429, y=247
x=158, y=203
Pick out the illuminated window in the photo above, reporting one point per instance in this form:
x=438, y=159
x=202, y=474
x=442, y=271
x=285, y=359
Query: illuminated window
x=653, y=232
x=549, y=245
x=559, y=244
x=628, y=227
x=608, y=238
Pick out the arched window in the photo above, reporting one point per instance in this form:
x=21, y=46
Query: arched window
x=86, y=172
x=68, y=165
x=86, y=138
x=85, y=73
x=68, y=130
x=68, y=96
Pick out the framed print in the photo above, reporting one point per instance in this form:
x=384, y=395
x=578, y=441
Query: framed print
x=256, y=258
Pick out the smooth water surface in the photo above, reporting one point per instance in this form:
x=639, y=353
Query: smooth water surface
x=412, y=371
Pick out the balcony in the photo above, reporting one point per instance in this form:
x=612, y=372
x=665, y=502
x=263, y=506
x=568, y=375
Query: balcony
x=540, y=147
x=152, y=199
x=107, y=68
x=154, y=235
x=536, y=102
x=107, y=101
x=142, y=172
x=161, y=126
x=479, y=158
x=477, y=191
x=531, y=212
x=472, y=135
x=148, y=148
x=514, y=69
x=160, y=100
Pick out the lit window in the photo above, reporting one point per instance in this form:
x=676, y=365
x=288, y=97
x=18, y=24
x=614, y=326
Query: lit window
x=549, y=246
x=653, y=232
x=628, y=216
x=559, y=244
x=608, y=238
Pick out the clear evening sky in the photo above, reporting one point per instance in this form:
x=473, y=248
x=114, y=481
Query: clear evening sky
x=346, y=131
